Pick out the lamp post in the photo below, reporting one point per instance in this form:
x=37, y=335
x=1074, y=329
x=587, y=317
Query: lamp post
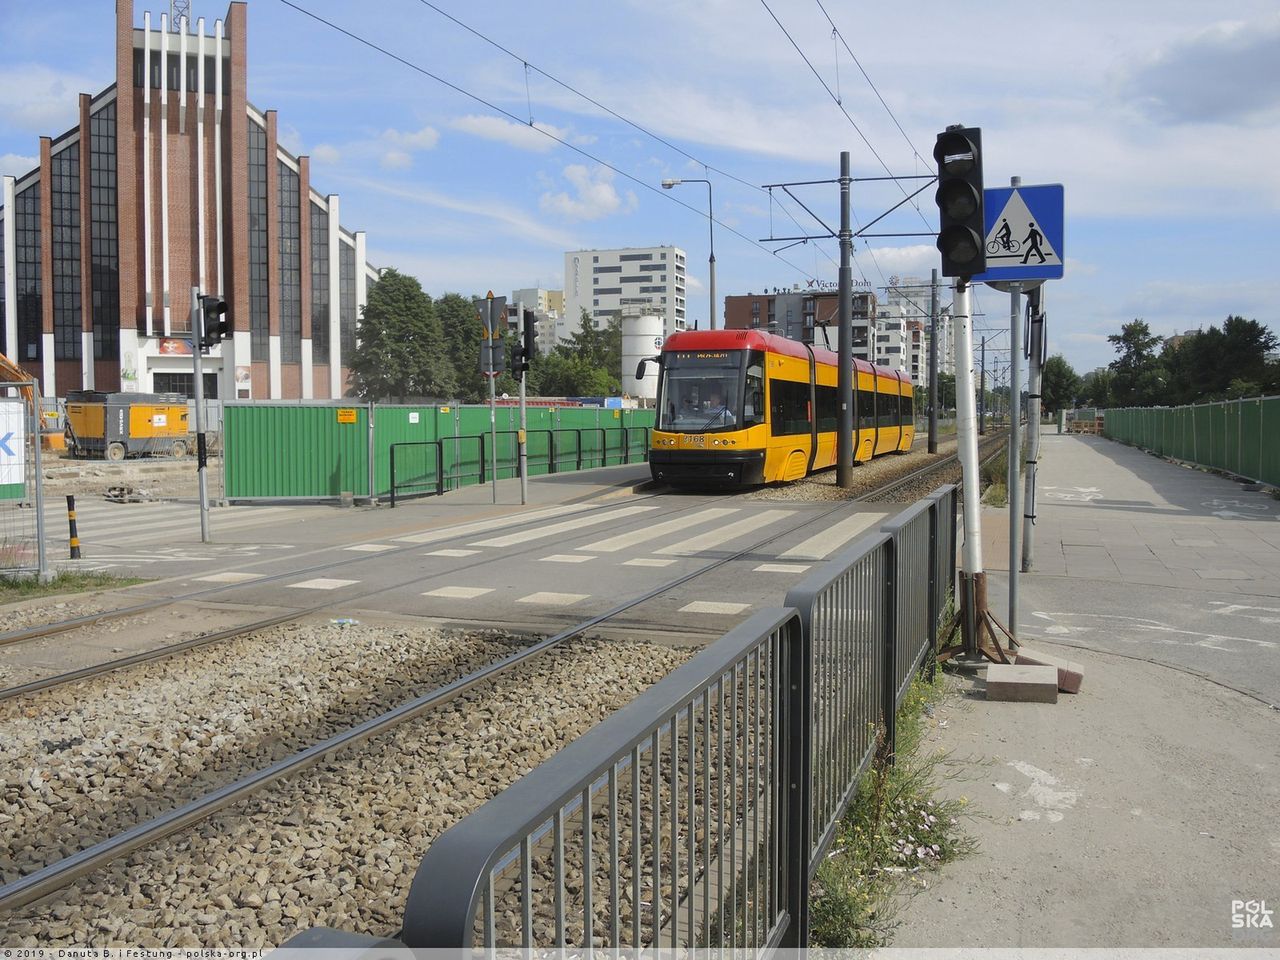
x=711, y=228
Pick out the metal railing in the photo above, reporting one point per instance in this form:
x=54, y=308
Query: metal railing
x=698, y=815
x=422, y=468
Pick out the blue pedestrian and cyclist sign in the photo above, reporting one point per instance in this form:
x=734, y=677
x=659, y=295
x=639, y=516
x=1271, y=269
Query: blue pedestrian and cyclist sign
x=1024, y=233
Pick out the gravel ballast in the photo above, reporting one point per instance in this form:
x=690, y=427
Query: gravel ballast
x=338, y=845
x=81, y=762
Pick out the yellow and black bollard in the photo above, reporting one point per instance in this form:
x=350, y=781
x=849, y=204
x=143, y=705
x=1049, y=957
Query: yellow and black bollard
x=71, y=519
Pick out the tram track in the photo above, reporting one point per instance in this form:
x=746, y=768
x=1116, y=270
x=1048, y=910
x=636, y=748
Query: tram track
x=52, y=877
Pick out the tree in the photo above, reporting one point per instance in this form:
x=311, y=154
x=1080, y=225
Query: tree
x=588, y=365
x=1096, y=389
x=401, y=351
x=1059, y=384
x=1138, y=377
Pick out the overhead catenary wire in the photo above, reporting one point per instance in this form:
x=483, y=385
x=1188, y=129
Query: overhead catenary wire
x=528, y=66
x=827, y=87
x=542, y=130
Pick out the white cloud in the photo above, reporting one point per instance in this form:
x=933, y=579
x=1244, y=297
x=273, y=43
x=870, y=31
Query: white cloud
x=41, y=100
x=14, y=165
x=424, y=139
x=326, y=153
x=519, y=135
x=594, y=195
x=394, y=159
x=290, y=138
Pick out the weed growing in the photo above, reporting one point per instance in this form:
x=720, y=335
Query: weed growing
x=894, y=833
x=26, y=588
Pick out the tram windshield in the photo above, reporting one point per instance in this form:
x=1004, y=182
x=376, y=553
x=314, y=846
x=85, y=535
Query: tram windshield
x=702, y=391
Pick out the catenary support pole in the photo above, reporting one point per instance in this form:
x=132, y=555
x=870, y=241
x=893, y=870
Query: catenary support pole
x=197, y=393
x=844, y=375
x=522, y=437
x=934, y=392
x=1035, y=377
x=491, y=323
x=982, y=390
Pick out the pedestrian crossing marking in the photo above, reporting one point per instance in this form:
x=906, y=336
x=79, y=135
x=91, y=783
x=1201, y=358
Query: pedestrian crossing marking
x=449, y=552
x=371, y=547
x=646, y=534
x=782, y=568
x=322, y=583
x=230, y=576
x=554, y=599
x=724, y=534
x=567, y=558
x=822, y=544
x=480, y=526
x=524, y=536
x=709, y=606
x=647, y=562
x=459, y=593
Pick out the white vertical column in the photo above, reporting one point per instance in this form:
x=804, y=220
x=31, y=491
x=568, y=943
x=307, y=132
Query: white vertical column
x=217, y=148
x=148, y=293
x=335, y=301
x=183, y=27
x=48, y=380
x=10, y=275
x=362, y=276
x=200, y=211
x=164, y=168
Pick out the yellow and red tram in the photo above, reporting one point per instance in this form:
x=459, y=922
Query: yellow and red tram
x=746, y=407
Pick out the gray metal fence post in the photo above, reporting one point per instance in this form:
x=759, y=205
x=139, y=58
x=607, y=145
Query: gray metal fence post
x=889, y=684
x=797, y=697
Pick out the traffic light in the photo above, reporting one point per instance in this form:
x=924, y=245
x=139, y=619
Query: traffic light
x=961, y=231
x=522, y=353
x=215, y=325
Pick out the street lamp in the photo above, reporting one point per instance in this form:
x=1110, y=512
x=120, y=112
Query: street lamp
x=711, y=227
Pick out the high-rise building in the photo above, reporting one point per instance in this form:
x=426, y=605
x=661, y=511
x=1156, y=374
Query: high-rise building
x=172, y=179
x=808, y=315
x=602, y=282
x=547, y=307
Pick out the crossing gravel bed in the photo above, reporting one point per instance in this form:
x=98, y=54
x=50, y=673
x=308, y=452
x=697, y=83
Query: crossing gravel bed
x=82, y=762
x=866, y=476
x=338, y=845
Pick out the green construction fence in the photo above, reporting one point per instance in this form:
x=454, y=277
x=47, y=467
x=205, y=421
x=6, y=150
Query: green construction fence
x=319, y=450
x=1241, y=437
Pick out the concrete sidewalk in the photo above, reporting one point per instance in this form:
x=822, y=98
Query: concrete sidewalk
x=1133, y=813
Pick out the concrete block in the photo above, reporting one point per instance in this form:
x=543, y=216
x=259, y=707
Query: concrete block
x=1070, y=673
x=1024, y=684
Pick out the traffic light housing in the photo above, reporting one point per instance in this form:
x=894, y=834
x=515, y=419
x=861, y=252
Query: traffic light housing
x=215, y=324
x=522, y=353
x=961, y=230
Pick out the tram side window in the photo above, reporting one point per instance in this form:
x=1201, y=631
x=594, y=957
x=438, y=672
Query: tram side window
x=906, y=405
x=866, y=410
x=753, y=402
x=887, y=410
x=828, y=417
x=789, y=407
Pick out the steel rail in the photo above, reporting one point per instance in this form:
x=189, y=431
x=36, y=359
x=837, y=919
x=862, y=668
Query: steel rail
x=57, y=875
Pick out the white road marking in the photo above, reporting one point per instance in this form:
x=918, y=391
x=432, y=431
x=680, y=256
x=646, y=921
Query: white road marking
x=229, y=577
x=645, y=534
x=371, y=547
x=322, y=583
x=480, y=526
x=1233, y=609
x=459, y=593
x=1155, y=626
x=647, y=562
x=1044, y=791
x=708, y=606
x=554, y=599
x=724, y=534
x=821, y=545
x=451, y=553
x=567, y=558
x=524, y=536
x=782, y=568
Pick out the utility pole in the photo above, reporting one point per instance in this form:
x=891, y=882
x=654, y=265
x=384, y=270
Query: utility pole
x=1035, y=300
x=844, y=375
x=933, y=364
x=197, y=393
x=982, y=389
x=524, y=424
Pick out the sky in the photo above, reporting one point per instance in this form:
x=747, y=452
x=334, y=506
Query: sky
x=472, y=168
